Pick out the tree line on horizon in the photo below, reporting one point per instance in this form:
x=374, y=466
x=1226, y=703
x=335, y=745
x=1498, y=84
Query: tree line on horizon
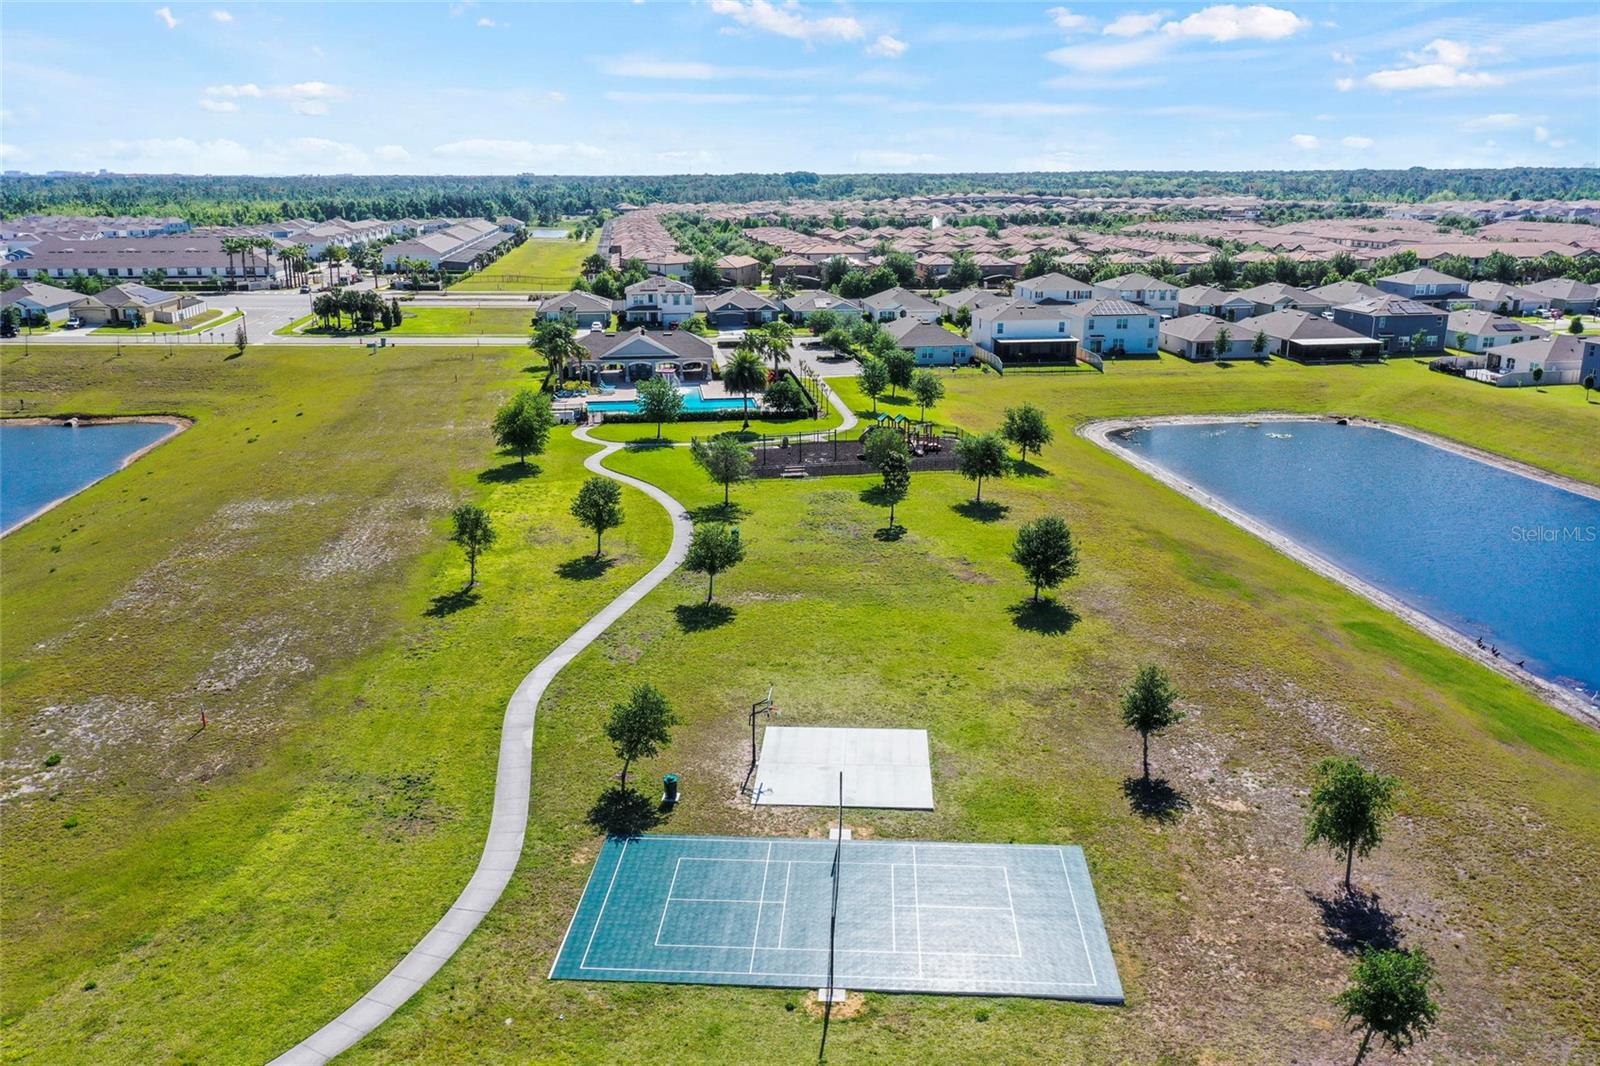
x=244, y=199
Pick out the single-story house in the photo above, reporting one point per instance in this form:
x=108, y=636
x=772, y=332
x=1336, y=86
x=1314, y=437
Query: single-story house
x=737, y=309
x=1394, y=321
x=1276, y=296
x=1115, y=327
x=1307, y=338
x=1218, y=303
x=1338, y=293
x=800, y=308
x=1054, y=288
x=38, y=302
x=1424, y=285
x=584, y=308
x=135, y=305
x=972, y=299
x=930, y=345
x=1159, y=296
x=796, y=270
x=1560, y=359
x=1486, y=330
x=1018, y=331
x=624, y=358
x=1566, y=294
x=1506, y=299
x=740, y=271
x=658, y=301
x=896, y=303
x=1199, y=338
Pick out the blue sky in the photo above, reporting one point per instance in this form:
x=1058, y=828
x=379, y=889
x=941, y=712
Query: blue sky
x=729, y=85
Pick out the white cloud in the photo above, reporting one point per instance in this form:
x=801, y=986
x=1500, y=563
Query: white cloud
x=1341, y=56
x=222, y=16
x=888, y=47
x=1066, y=20
x=643, y=66
x=1230, y=22
x=1305, y=140
x=499, y=155
x=487, y=23
x=876, y=157
x=233, y=91
x=790, y=20
x=1541, y=134
x=1356, y=142
x=1500, y=120
x=391, y=153
x=219, y=106
x=306, y=97
x=1441, y=64
x=556, y=96
x=1099, y=57
x=1132, y=25
x=1344, y=85
x=10, y=153
x=166, y=16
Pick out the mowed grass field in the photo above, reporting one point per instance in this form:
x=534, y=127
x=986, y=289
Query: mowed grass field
x=219, y=901
x=435, y=322
x=537, y=264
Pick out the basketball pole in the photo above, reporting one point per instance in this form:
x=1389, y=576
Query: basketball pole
x=833, y=922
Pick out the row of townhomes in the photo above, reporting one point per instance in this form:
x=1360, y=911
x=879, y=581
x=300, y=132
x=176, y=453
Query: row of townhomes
x=58, y=247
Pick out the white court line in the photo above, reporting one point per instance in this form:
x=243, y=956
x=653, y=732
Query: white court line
x=712, y=899
x=841, y=951
x=916, y=898
x=755, y=941
x=829, y=862
x=1011, y=904
x=1083, y=938
x=783, y=923
x=963, y=984
x=597, y=918
x=667, y=906
x=893, y=942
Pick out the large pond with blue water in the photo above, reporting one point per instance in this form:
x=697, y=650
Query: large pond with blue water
x=40, y=464
x=1491, y=553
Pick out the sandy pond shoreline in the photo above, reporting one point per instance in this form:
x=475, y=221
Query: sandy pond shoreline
x=1100, y=432
x=179, y=423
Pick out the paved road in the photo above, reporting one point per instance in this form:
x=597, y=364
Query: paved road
x=509, y=822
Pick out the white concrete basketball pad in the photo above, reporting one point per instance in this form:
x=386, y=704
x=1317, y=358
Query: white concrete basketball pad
x=800, y=767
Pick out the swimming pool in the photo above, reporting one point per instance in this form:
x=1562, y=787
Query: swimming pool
x=693, y=400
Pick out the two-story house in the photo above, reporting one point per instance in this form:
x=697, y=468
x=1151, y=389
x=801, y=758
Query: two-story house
x=1395, y=323
x=1115, y=327
x=1023, y=332
x=1054, y=288
x=1425, y=285
x=658, y=301
x=1153, y=293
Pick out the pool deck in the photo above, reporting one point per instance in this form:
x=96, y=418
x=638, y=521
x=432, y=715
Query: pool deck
x=1564, y=699
x=710, y=390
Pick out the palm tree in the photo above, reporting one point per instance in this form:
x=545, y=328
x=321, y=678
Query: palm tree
x=744, y=374
x=232, y=245
x=772, y=341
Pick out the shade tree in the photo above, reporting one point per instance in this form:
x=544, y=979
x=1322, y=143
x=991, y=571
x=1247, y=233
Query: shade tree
x=598, y=506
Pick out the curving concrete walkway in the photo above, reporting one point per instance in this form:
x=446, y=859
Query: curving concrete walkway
x=509, y=822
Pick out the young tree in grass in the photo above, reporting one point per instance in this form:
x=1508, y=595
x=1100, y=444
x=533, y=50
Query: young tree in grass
x=598, y=506
x=659, y=402
x=882, y=441
x=470, y=528
x=523, y=424
x=1418, y=339
x=896, y=473
x=1259, y=344
x=744, y=375
x=873, y=379
x=1390, y=997
x=928, y=389
x=241, y=339
x=1462, y=336
x=1027, y=428
x=640, y=726
x=1588, y=386
x=1349, y=806
x=726, y=459
x=1576, y=325
x=713, y=549
x=1222, y=347
x=900, y=364
x=1045, y=551
x=1149, y=707
x=981, y=455
x=1538, y=374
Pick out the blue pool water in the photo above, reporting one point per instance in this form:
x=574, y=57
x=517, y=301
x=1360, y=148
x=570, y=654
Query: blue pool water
x=692, y=401
x=1490, y=553
x=41, y=464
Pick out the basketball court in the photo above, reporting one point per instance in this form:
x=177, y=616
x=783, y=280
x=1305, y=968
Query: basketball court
x=912, y=916
x=884, y=768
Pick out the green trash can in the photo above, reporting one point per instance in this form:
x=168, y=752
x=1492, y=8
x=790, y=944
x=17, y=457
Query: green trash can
x=669, y=788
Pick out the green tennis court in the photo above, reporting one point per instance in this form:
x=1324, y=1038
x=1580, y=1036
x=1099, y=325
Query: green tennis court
x=978, y=919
